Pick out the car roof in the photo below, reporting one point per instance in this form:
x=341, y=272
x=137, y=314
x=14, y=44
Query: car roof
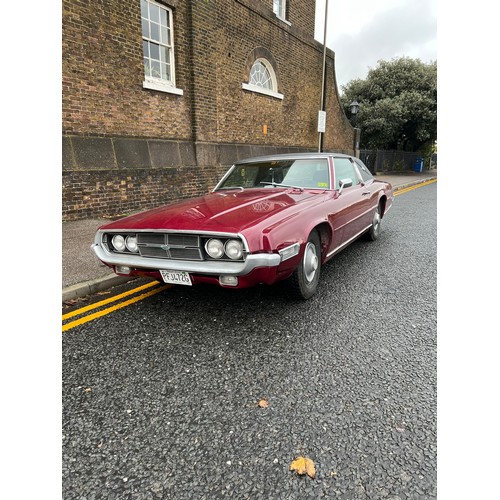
x=291, y=156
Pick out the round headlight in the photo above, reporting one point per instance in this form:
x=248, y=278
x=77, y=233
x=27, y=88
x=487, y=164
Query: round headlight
x=131, y=243
x=234, y=249
x=214, y=248
x=118, y=242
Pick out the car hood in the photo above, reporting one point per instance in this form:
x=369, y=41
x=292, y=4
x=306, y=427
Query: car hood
x=222, y=211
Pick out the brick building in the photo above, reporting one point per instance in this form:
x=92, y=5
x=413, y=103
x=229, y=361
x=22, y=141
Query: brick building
x=159, y=97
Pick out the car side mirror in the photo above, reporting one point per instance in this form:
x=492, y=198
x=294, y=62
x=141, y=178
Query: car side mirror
x=344, y=183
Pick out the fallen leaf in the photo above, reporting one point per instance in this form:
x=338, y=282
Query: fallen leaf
x=87, y=389
x=263, y=403
x=73, y=302
x=304, y=466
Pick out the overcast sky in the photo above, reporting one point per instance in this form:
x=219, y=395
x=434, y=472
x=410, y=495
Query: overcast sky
x=364, y=31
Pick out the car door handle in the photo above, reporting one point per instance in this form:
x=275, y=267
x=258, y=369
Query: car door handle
x=364, y=193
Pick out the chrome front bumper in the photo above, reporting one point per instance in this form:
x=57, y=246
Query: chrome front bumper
x=215, y=268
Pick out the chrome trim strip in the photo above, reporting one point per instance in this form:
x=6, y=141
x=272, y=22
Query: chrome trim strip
x=283, y=157
x=226, y=175
x=339, y=248
x=204, y=267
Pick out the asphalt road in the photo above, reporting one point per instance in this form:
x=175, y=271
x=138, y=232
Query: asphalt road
x=160, y=398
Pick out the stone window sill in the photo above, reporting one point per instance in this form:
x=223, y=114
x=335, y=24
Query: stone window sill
x=161, y=87
x=283, y=19
x=261, y=90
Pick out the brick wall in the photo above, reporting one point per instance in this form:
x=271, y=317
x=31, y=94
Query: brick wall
x=112, y=193
x=126, y=148
x=301, y=13
x=103, y=72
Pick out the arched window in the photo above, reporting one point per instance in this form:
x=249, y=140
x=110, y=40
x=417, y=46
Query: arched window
x=262, y=77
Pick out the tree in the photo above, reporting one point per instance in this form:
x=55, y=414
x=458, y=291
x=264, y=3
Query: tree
x=398, y=105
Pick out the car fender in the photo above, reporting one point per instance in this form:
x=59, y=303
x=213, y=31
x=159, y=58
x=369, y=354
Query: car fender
x=386, y=197
x=283, y=235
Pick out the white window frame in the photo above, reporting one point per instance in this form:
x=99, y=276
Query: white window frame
x=262, y=90
x=155, y=83
x=279, y=9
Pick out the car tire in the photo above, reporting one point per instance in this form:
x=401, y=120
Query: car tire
x=374, y=231
x=303, y=283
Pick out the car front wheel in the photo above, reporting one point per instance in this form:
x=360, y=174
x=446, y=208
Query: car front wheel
x=304, y=281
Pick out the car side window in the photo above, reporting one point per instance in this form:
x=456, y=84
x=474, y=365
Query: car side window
x=308, y=174
x=363, y=170
x=344, y=169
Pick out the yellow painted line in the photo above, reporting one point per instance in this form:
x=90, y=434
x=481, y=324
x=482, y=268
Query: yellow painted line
x=107, y=301
x=411, y=188
x=104, y=312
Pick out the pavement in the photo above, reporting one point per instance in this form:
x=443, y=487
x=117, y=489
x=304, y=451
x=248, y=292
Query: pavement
x=83, y=274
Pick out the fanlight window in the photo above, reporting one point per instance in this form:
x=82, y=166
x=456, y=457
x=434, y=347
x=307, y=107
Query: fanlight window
x=262, y=79
x=260, y=76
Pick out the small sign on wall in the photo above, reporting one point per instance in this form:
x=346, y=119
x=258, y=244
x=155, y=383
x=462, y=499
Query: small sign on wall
x=321, y=121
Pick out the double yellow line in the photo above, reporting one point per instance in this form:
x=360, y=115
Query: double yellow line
x=102, y=303
x=411, y=188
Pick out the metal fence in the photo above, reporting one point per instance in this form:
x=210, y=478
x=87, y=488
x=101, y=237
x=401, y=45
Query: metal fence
x=393, y=161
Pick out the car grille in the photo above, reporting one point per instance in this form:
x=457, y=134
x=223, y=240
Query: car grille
x=170, y=246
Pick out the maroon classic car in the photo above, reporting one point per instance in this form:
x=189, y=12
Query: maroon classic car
x=269, y=219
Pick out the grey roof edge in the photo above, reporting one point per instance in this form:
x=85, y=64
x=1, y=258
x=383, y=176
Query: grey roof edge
x=291, y=156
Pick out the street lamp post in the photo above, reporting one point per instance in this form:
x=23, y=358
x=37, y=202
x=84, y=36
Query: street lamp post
x=357, y=133
x=321, y=128
x=354, y=110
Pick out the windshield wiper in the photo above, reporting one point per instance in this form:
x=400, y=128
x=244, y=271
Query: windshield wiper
x=230, y=187
x=282, y=185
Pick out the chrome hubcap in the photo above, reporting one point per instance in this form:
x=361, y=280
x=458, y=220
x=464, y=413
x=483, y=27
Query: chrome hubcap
x=310, y=262
x=376, y=221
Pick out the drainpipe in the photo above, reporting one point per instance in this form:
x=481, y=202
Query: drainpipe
x=322, y=105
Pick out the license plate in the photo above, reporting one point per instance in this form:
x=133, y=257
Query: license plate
x=176, y=277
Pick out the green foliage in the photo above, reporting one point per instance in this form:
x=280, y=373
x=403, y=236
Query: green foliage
x=398, y=105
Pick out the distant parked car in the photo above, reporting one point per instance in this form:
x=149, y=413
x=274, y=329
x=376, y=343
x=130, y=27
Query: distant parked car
x=269, y=219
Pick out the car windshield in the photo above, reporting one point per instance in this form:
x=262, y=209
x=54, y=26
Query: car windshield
x=304, y=173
